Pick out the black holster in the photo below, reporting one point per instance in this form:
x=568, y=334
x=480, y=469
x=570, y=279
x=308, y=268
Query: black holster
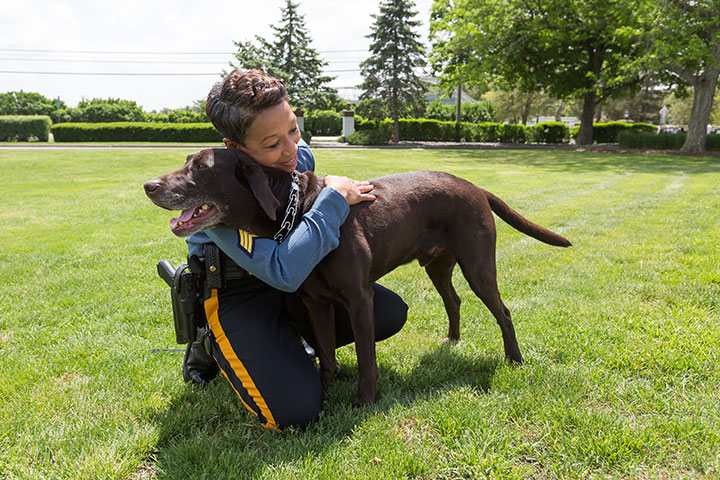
x=186, y=295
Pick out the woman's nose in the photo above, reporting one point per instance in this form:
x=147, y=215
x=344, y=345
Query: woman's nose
x=291, y=146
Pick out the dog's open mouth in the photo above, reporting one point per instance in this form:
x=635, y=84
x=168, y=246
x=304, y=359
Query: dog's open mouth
x=192, y=219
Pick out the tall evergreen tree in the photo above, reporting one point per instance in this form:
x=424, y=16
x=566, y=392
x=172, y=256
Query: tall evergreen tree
x=389, y=72
x=291, y=58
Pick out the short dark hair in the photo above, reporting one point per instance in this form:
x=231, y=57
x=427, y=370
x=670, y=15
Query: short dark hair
x=233, y=104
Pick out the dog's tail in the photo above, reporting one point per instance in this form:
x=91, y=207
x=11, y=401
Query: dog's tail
x=522, y=224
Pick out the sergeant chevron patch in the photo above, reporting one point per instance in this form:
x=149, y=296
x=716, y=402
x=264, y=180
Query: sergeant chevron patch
x=246, y=241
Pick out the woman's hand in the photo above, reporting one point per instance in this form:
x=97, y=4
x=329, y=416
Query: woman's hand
x=353, y=190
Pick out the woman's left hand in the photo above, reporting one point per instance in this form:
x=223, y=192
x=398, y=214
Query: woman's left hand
x=354, y=191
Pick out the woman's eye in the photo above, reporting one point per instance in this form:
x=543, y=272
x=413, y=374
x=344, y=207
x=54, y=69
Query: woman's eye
x=275, y=145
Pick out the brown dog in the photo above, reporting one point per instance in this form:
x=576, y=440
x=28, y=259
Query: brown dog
x=437, y=218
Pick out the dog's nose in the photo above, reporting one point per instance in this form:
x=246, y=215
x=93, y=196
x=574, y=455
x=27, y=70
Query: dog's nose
x=150, y=186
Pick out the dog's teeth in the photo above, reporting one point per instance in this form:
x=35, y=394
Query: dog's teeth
x=205, y=207
x=180, y=222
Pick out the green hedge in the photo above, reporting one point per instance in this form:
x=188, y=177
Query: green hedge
x=368, y=137
x=662, y=141
x=136, y=132
x=609, y=132
x=439, y=131
x=430, y=130
x=24, y=127
x=551, y=132
x=324, y=122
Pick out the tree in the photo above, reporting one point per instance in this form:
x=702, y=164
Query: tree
x=101, y=110
x=680, y=106
x=28, y=103
x=589, y=49
x=389, y=73
x=687, y=48
x=515, y=106
x=292, y=59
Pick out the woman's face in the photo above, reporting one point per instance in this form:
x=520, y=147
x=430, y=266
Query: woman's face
x=272, y=138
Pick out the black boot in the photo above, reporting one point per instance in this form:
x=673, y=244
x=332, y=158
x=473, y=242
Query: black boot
x=198, y=365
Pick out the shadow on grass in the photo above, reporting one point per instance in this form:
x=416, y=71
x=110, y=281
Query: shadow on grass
x=207, y=433
x=583, y=162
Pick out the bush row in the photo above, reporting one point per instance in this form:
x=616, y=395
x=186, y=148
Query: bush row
x=23, y=128
x=608, y=132
x=136, y=132
x=439, y=131
x=410, y=129
x=662, y=141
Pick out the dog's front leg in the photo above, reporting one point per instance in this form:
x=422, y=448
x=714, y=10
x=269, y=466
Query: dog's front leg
x=322, y=320
x=363, y=324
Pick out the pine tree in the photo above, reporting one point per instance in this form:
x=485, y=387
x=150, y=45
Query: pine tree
x=292, y=59
x=389, y=73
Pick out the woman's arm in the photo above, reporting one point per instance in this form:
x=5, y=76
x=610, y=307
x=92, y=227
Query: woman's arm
x=284, y=265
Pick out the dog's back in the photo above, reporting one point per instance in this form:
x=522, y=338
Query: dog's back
x=415, y=212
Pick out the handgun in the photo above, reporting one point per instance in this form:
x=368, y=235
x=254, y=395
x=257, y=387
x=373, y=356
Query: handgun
x=166, y=272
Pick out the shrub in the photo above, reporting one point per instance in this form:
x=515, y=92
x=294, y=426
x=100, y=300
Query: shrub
x=156, y=117
x=479, y=112
x=481, y=132
x=306, y=135
x=103, y=110
x=421, y=129
x=609, y=132
x=662, y=141
x=324, y=122
x=365, y=123
x=551, y=132
x=136, y=132
x=515, y=133
x=23, y=128
x=368, y=137
x=187, y=116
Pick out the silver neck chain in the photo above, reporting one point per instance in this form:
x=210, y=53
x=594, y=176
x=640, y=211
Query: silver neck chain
x=290, y=212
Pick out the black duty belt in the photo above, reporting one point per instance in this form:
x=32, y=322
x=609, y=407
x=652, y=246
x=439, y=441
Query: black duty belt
x=219, y=268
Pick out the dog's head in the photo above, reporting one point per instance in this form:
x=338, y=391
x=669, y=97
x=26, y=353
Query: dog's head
x=217, y=187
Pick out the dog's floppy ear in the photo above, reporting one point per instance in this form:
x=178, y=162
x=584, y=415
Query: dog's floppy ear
x=258, y=182
x=261, y=189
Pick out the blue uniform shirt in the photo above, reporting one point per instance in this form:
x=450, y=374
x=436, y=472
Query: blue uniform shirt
x=283, y=265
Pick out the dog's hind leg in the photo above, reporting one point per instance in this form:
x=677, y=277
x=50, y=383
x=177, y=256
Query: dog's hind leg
x=440, y=271
x=480, y=272
x=322, y=319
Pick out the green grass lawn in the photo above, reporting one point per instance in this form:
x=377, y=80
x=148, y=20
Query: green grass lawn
x=620, y=333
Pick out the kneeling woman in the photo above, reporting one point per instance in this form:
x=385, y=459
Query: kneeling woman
x=255, y=320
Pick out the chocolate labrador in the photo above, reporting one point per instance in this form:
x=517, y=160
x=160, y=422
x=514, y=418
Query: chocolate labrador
x=437, y=218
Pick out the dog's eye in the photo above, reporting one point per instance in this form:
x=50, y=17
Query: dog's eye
x=199, y=165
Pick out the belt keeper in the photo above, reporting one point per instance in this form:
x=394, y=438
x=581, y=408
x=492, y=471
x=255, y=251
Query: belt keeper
x=214, y=267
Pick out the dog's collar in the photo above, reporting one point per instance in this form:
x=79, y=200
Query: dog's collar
x=291, y=211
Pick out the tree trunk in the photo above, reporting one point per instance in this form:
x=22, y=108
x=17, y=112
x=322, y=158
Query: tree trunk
x=396, y=126
x=704, y=87
x=585, y=134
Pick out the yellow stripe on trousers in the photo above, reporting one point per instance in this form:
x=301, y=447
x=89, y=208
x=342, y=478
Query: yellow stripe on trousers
x=211, y=312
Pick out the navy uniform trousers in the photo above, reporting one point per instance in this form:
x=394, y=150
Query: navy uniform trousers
x=260, y=353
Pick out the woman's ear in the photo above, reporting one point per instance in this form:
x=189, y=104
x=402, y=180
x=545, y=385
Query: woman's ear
x=230, y=144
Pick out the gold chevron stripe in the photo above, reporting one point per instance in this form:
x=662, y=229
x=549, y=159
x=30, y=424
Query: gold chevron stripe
x=246, y=240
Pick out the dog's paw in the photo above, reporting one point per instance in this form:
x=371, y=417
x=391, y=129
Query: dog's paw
x=363, y=400
x=450, y=340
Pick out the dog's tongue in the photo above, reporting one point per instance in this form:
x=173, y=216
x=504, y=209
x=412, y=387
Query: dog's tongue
x=184, y=216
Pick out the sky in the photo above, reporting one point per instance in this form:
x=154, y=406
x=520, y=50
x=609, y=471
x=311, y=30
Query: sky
x=75, y=49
